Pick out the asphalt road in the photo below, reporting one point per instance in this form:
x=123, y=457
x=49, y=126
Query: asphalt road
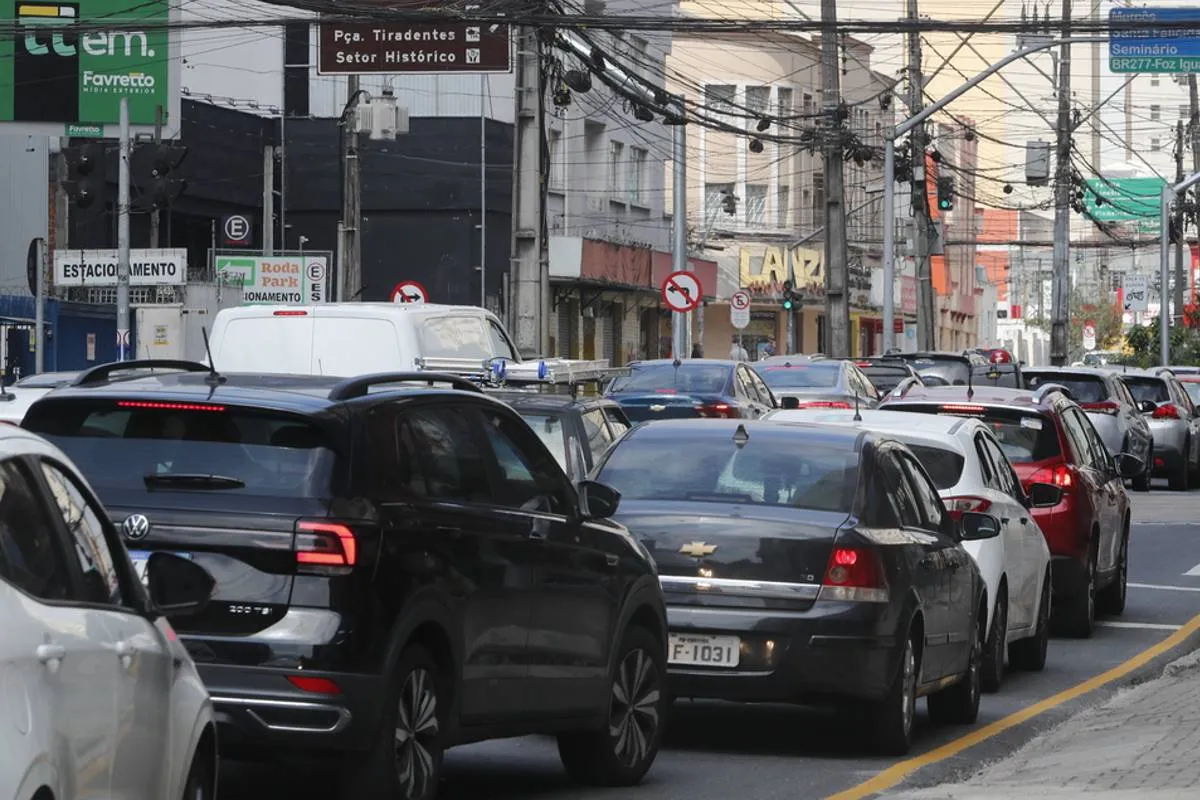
x=720, y=751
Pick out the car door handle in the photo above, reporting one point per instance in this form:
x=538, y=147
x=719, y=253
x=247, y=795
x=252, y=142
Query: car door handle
x=51, y=654
x=612, y=559
x=928, y=562
x=125, y=652
x=1005, y=520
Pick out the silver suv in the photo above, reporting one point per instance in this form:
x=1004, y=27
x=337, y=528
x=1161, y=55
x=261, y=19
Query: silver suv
x=1113, y=411
x=1174, y=423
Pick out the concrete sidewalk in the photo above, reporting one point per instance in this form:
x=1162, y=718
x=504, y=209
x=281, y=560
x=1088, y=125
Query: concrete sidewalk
x=1143, y=743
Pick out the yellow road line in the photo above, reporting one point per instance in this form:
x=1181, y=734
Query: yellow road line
x=896, y=773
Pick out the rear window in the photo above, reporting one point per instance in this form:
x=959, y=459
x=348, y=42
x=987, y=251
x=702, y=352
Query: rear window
x=945, y=467
x=454, y=337
x=1144, y=389
x=995, y=375
x=686, y=378
x=1024, y=437
x=1083, y=389
x=140, y=445
x=799, y=376
x=884, y=377
x=777, y=471
x=953, y=371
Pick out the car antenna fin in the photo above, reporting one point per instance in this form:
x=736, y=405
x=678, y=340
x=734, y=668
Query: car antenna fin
x=214, y=378
x=741, y=436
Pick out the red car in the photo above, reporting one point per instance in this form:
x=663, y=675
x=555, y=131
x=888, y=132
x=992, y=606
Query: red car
x=1049, y=439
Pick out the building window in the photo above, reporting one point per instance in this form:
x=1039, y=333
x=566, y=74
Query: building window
x=1155, y=112
x=756, y=205
x=1184, y=112
x=719, y=98
x=783, y=216
x=783, y=103
x=558, y=160
x=616, y=170
x=638, y=158
x=714, y=196
x=1155, y=145
x=757, y=99
x=808, y=104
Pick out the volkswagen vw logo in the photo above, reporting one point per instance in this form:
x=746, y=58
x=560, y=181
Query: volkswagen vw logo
x=136, y=527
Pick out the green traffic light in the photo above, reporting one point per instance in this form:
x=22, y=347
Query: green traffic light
x=944, y=205
x=787, y=305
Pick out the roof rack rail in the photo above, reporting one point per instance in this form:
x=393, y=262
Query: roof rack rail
x=361, y=385
x=501, y=372
x=101, y=373
x=1046, y=388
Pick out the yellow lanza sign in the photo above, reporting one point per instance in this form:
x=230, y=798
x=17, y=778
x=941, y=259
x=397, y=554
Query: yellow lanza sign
x=764, y=265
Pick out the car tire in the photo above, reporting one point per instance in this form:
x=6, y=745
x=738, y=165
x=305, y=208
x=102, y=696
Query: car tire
x=895, y=715
x=1029, y=655
x=202, y=778
x=1111, y=599
x=1178, y=479
x=622, y=751
x=959, y=704
x=1077, y=614
x=1142, y=482
x=993, y=651
x=405, y=758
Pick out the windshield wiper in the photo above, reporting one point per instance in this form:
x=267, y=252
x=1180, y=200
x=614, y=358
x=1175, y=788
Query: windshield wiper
x=192, y=480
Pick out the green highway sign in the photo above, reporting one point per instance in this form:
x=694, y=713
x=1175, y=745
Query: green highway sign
x=79, y=130
x=1123, y=199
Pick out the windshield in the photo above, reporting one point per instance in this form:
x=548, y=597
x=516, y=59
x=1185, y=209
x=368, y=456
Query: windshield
x=550, y=430
x=944, y=466
x=686, y=378
x=1193, y=390
x=995, y=375
x=1151, y=389
x=883, y=376
x=780, y=471
x=136, y=445
x=1083, y=389
x=799, y=376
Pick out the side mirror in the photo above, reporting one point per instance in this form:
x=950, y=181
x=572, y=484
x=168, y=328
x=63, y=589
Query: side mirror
x=975, y=526
x=598, y=500
x=1044, y=495
x=790, y=403
x=1129, y=465
x=179, y=587
x=1147, y=406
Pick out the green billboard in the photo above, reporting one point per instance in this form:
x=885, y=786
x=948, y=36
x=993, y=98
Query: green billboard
x=1123, y=199
x=72, y=62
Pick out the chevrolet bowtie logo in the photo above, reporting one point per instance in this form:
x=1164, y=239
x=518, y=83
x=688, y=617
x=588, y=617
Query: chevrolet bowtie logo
x=698, y=549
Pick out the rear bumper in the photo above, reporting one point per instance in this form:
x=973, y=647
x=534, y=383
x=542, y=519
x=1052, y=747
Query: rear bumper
x=1170, y=437
x=834, y=651
x=258, y=709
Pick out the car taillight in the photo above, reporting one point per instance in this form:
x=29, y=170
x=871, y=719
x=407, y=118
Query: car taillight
x=957, y=506
x=1167, y=411
x=717, y=410
x=1061, y=476
x=314, y=684
x=822, y=404
x=962, y=408
x=1107, y=407
x=291, y=313
x=325, y=547
x=854, y=574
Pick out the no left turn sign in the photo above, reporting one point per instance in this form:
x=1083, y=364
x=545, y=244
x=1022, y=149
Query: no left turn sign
x=681, y=291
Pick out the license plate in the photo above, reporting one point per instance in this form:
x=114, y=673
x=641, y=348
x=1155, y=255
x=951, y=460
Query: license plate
x=141, y=557
x=704, y=651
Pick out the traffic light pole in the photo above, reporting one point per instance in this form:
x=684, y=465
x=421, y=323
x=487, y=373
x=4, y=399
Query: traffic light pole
x=123, y=339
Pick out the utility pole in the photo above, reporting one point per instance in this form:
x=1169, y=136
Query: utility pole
x=268, y=213
x=123, y=235
x=837, y=294
x=1060, y=296
x=926, y=306
x=1179, y=236
x=1194, y=131
x=351, y=249
x=681, y=324
x=529, y=317
x=1094, y=119
x=155, y=214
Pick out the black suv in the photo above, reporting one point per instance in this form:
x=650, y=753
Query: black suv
x=400, y=567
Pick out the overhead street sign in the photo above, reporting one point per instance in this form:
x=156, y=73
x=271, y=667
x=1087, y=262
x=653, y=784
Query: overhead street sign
x=1137, y=293
x=1166, y=45
x=363, y=48
x=681, y=291
x=1123, y=199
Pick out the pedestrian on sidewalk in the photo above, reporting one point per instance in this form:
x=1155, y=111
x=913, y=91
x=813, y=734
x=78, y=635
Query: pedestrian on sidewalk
x=737, y=352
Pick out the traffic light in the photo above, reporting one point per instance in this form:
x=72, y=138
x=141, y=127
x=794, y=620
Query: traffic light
x=945, y=191
x=155, y=173
x=790, y=296
x=85, y=173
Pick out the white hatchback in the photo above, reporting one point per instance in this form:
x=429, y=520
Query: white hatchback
x=972, y=473
x=99, y=697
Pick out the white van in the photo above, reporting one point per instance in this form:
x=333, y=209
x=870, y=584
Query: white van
x=347, y=339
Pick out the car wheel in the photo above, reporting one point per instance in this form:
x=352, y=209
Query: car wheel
x=405, y=760
x=1178, y=479
x=894, y=714
x=1078, y=613
x=993, y=650
x=959, y=704
x=1112, y=598
x=201, y=780
x=1030, y=654
x=622, y=751
x=1142, y=482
